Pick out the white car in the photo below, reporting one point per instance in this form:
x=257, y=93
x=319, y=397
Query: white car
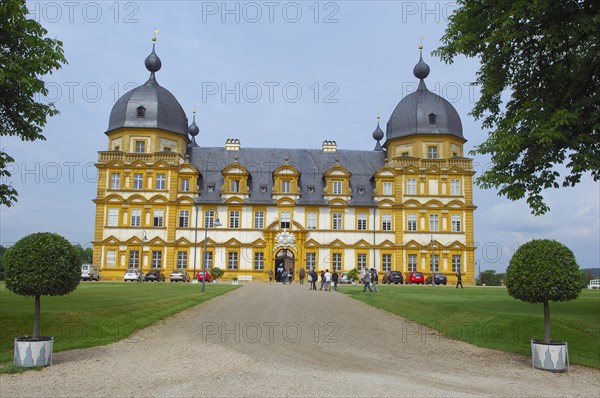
x=90, y=272
x=133, y=275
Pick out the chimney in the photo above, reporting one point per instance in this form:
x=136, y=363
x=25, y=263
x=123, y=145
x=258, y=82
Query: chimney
x=232, y=144
x=329, y=146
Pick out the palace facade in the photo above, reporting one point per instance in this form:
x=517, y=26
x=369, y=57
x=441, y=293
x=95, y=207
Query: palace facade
x=406, y=205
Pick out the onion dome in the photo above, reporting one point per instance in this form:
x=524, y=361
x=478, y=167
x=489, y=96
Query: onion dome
x=193, y=130
x=378, y=136
x=149, y=105
x=423, y=112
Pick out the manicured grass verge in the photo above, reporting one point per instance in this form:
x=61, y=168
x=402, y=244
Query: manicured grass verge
x=489, y=317
x=97, y=313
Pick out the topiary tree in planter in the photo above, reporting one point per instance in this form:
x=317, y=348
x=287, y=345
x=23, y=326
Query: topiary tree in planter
x=41, y=264
x=541, y=271
x=216, y=273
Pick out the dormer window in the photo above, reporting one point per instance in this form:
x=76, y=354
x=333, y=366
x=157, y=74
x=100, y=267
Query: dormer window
x=432, y=118
x=211, y=188
x=263, y=188
x=311, y=189
x=361, y=190
x=141, y=111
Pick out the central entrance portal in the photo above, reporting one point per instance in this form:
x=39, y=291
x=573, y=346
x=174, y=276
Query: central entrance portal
x=284, y=260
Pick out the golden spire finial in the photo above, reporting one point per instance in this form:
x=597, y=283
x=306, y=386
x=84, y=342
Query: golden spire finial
x=421, y=43
x=194, y=110
x=154, y=35
x=378, y=116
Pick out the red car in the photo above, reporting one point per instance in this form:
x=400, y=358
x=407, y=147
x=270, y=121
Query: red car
x=415, y=277
x=207, y=278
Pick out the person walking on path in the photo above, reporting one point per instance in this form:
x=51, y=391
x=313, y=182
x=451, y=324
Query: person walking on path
x=290, y=276
x=374, y=278
x=334, y=279
x=283, y=276
x=459, y=280
x=327, y=281
x=313, y=283
x=301, y=275
x=366, y=279
x=270, y=276
x=322, y=280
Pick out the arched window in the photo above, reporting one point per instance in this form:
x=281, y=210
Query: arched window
x=432, y=118
x=141, y=111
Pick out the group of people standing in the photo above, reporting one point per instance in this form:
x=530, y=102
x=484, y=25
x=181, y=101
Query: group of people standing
x=369, y=279
x=327, y=278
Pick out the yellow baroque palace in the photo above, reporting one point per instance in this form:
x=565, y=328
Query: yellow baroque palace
x=406, y=205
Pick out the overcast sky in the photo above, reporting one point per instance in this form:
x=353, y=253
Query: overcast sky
x=272, y=74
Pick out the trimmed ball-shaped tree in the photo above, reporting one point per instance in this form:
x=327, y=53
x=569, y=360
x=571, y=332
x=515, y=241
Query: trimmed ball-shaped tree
x=41, y=264
x=541, y=271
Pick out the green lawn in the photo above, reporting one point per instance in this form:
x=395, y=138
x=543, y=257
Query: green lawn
x=489, y=317
x=97, y=313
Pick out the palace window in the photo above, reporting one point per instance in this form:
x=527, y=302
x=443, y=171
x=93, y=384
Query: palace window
x=158, y=217
x=141, y=111
x=111, y=257
x=311, y=220
x=156, y=259
x=136, y=217
x=235, y=185
x=160, y=181
x=184, y=218
x=411, y=186
x=181, y=259
x=361, y=262
x=285, y=186
x=336, y=221
x=134, y=259
x=455, y=263
x=311, y=189
x=263, y=188
x=185, y=184
x=455, y=222
x=234, y=219
x=115, y=181
x=434, y=222
x=259, y=219
x=140, y=147
x=311, y=261
x=209, y=259
x=336, y=261
x=387, y=188
x=232, y=260
x=285, y=221
x=432, y=118
x=386, y=262
x=209, y=218
x=432, y=152
x=259, y=260
x=386, y=222
x=434, y=263
x=412, y=262
x=138, y=181
x=361, y=221
x=337, y=187
x=113, y=217
x=412, y=222
x=455, y=187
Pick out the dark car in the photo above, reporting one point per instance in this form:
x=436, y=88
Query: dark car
x=440, y=279
x=394, y=277
x=154, y=276
x=415, y=277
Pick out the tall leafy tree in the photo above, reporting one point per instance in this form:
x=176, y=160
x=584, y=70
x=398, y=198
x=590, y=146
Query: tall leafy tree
x=543, y=58
x=26, y=55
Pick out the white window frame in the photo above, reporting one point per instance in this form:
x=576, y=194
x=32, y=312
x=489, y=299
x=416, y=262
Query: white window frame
x=138, y=181
x=411, y=186
x=113, y=217
x=111, y=257
x=134, y=259
x=455, y=187
x=285, y=186
x=386, y=262
x=182, y=259
x=361, y=261
x=411, y=222
x=311, y=260
x=209, y=218
x=232, y=260
x=361, y=221
x=311, y=220
x=140, y=147
x=161, y=181
x=115, y=181
x=336, y=221
x=456, y=263
x=234, y=219
x=259, y=260
x=158, y=218
x=434, y=222
x=337, y=187
x=184, y=218
x=259, y=219
x=156, y=261
x=456, y=223
x=185, y=185
x=235, y=185
x=432, y=152
x=412, y=263
x=386, y=222
x=285, y=219
x=336, y=261
x=388, y=188
x=136, y=217
x=434, y=263
x=209, y=258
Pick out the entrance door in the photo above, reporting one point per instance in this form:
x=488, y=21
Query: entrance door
x=284, y=260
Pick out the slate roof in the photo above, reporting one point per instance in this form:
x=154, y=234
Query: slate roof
x=311, y=163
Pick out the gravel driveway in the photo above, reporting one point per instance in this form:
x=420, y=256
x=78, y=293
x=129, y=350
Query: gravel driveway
x=274, y=340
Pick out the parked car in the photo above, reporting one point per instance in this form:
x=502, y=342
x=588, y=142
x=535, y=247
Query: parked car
x=155, y=275
x=207, y=278
x=415, y=277
x=440, y=279
x=133, y=274
x=343, y=279
x=90, y=272
x=179, y=276
x=394, y=277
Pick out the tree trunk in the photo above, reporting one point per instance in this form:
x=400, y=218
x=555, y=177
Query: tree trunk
x=546, y=322
x=36, y=318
